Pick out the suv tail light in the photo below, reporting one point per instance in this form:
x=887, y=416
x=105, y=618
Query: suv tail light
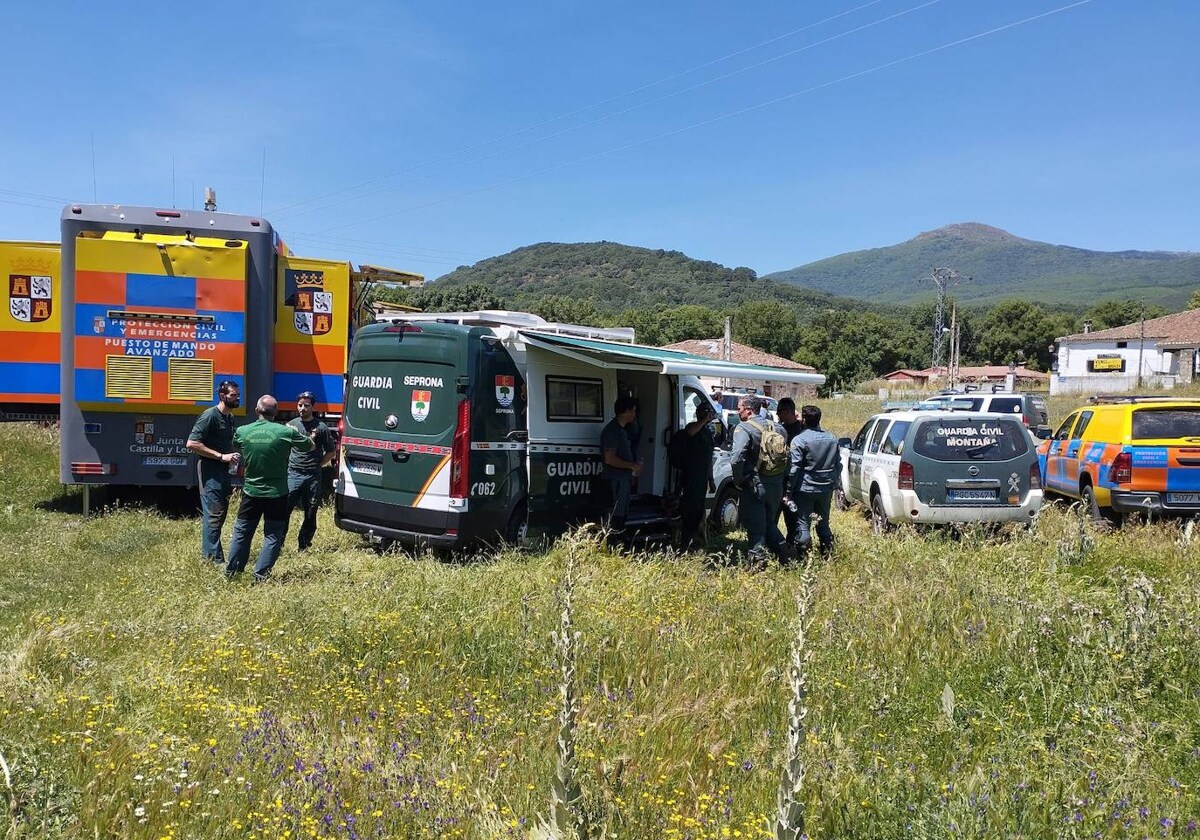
x=460, y=453
x=907, y=481
x=1035, y=477
x=1121, y=471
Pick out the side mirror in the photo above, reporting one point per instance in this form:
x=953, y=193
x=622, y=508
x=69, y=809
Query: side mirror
x=1043, y=432
x=844, y=443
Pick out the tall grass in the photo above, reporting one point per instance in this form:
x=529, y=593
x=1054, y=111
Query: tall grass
x=142, y=696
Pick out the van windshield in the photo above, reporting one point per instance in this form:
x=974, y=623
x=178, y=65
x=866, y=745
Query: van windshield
x=970, y=439
x=1158, y=423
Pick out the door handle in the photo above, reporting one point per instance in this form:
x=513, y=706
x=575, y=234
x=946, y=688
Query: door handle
x=400, y=456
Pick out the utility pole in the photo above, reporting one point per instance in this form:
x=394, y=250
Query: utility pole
x=942, y=279
x=1141, y=344
x=953, y=372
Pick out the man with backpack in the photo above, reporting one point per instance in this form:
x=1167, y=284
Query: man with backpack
x=760, y=462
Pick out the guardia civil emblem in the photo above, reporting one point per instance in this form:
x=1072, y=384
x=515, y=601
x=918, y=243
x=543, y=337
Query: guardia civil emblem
x=505, y=385
x=420, y=405
x=30, y=297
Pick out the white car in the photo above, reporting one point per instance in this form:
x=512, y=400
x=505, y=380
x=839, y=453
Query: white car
x=941, y=467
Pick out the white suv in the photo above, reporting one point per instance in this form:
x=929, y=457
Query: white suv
x=940, y=467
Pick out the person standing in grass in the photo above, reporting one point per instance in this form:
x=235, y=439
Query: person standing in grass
x=211, y=440
x=815, y=467
x=620, y=467
x=759, y=463
x=792, y=426
x=693, y=451
x=265, y=446
x=304, y=468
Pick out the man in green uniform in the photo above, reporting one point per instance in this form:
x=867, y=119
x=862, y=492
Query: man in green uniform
x=211, y=440
x=304, y=468
x=265, y=446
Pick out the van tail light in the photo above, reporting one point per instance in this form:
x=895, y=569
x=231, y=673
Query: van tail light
x=460, y=453
x=92, y=468
x=1035, y=477
x=1121, y=471
x=907, y=480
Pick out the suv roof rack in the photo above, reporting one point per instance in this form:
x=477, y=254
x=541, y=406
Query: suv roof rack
x=1112, y=399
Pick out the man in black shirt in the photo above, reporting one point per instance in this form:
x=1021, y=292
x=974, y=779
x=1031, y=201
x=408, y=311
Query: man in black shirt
x=695, y=458
x=211, y=440
x=304, y=468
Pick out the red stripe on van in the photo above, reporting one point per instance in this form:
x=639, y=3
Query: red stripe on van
x=396, y=446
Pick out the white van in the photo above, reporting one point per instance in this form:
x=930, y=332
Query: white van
x=465, y=427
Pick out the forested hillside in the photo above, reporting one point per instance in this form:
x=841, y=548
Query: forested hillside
x=612, y=277
x=666, y=297
x=1000, y=266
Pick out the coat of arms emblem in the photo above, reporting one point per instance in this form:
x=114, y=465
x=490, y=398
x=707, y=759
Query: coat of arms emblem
x=30, y=297
x=420, y=405
x=312, y=306
x=505, y=385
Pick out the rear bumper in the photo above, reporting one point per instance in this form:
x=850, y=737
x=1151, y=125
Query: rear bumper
x=914, y=510
x=415, y=527
x=1148, y=501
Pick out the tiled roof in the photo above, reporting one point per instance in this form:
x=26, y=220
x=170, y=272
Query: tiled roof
x=1179, y=328
x=711, y=347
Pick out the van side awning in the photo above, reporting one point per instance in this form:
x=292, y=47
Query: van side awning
x=609, y=354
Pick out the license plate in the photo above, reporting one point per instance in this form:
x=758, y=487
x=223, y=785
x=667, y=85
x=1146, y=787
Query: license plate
x=366, y=468
x=971, y=495
x=1183, y=498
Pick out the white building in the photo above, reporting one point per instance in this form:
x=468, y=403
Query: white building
x=1156, y=354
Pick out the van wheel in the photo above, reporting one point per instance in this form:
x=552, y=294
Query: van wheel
x=724, y=516
x=879, y=520
x=517, y=530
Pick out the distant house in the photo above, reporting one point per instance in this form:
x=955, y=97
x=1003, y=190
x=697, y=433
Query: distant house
x=711, y=347
x=1158, y=352
x=976, y=374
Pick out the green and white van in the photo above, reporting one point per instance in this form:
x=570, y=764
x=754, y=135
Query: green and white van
x=471, y=427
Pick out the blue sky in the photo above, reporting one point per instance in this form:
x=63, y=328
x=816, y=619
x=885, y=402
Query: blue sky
x=426, y=136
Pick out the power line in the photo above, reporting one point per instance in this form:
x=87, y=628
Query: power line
x=740, y=112
x=633, y=108
x=277, y=212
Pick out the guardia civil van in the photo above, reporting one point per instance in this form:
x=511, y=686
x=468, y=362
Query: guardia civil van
x=470, y=427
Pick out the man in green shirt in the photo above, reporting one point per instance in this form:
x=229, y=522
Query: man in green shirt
x=265, y=446
x=304, y=468
x=211, y=440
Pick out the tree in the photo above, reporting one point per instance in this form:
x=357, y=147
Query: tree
x=1118, y=313
x=465, y=298
x=566, y=310
x=850, y=347
x=767, y=325
x=1020, y=331
x=1194, y=303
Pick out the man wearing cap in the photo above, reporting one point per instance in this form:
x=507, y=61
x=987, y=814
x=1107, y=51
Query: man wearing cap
x=304, y=468
x=265, y=446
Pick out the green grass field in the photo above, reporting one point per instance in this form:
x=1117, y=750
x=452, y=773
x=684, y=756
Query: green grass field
x=1029, y=684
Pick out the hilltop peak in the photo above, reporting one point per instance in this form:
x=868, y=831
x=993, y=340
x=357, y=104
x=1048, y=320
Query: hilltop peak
x=972, y=232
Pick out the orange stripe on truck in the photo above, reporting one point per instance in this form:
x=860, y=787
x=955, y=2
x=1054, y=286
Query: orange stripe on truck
x=41, y=347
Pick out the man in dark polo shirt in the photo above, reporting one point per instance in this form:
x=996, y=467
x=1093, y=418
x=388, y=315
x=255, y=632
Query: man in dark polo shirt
x=616, y=452
x=265, y=446
x=211, y=440
x=304, y=468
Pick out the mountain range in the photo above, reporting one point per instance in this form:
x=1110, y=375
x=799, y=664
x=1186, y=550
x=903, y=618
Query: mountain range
x=1000, y=265
x=993, y=265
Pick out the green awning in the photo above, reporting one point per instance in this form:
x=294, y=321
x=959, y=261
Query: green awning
x=613, y=354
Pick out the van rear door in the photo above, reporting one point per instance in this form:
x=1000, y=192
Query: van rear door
x=1166, y=453
x=402, y=406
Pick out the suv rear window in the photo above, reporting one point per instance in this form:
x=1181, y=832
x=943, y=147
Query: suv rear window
x=1006, y=405
x=970, y=439
x=1155, y=423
